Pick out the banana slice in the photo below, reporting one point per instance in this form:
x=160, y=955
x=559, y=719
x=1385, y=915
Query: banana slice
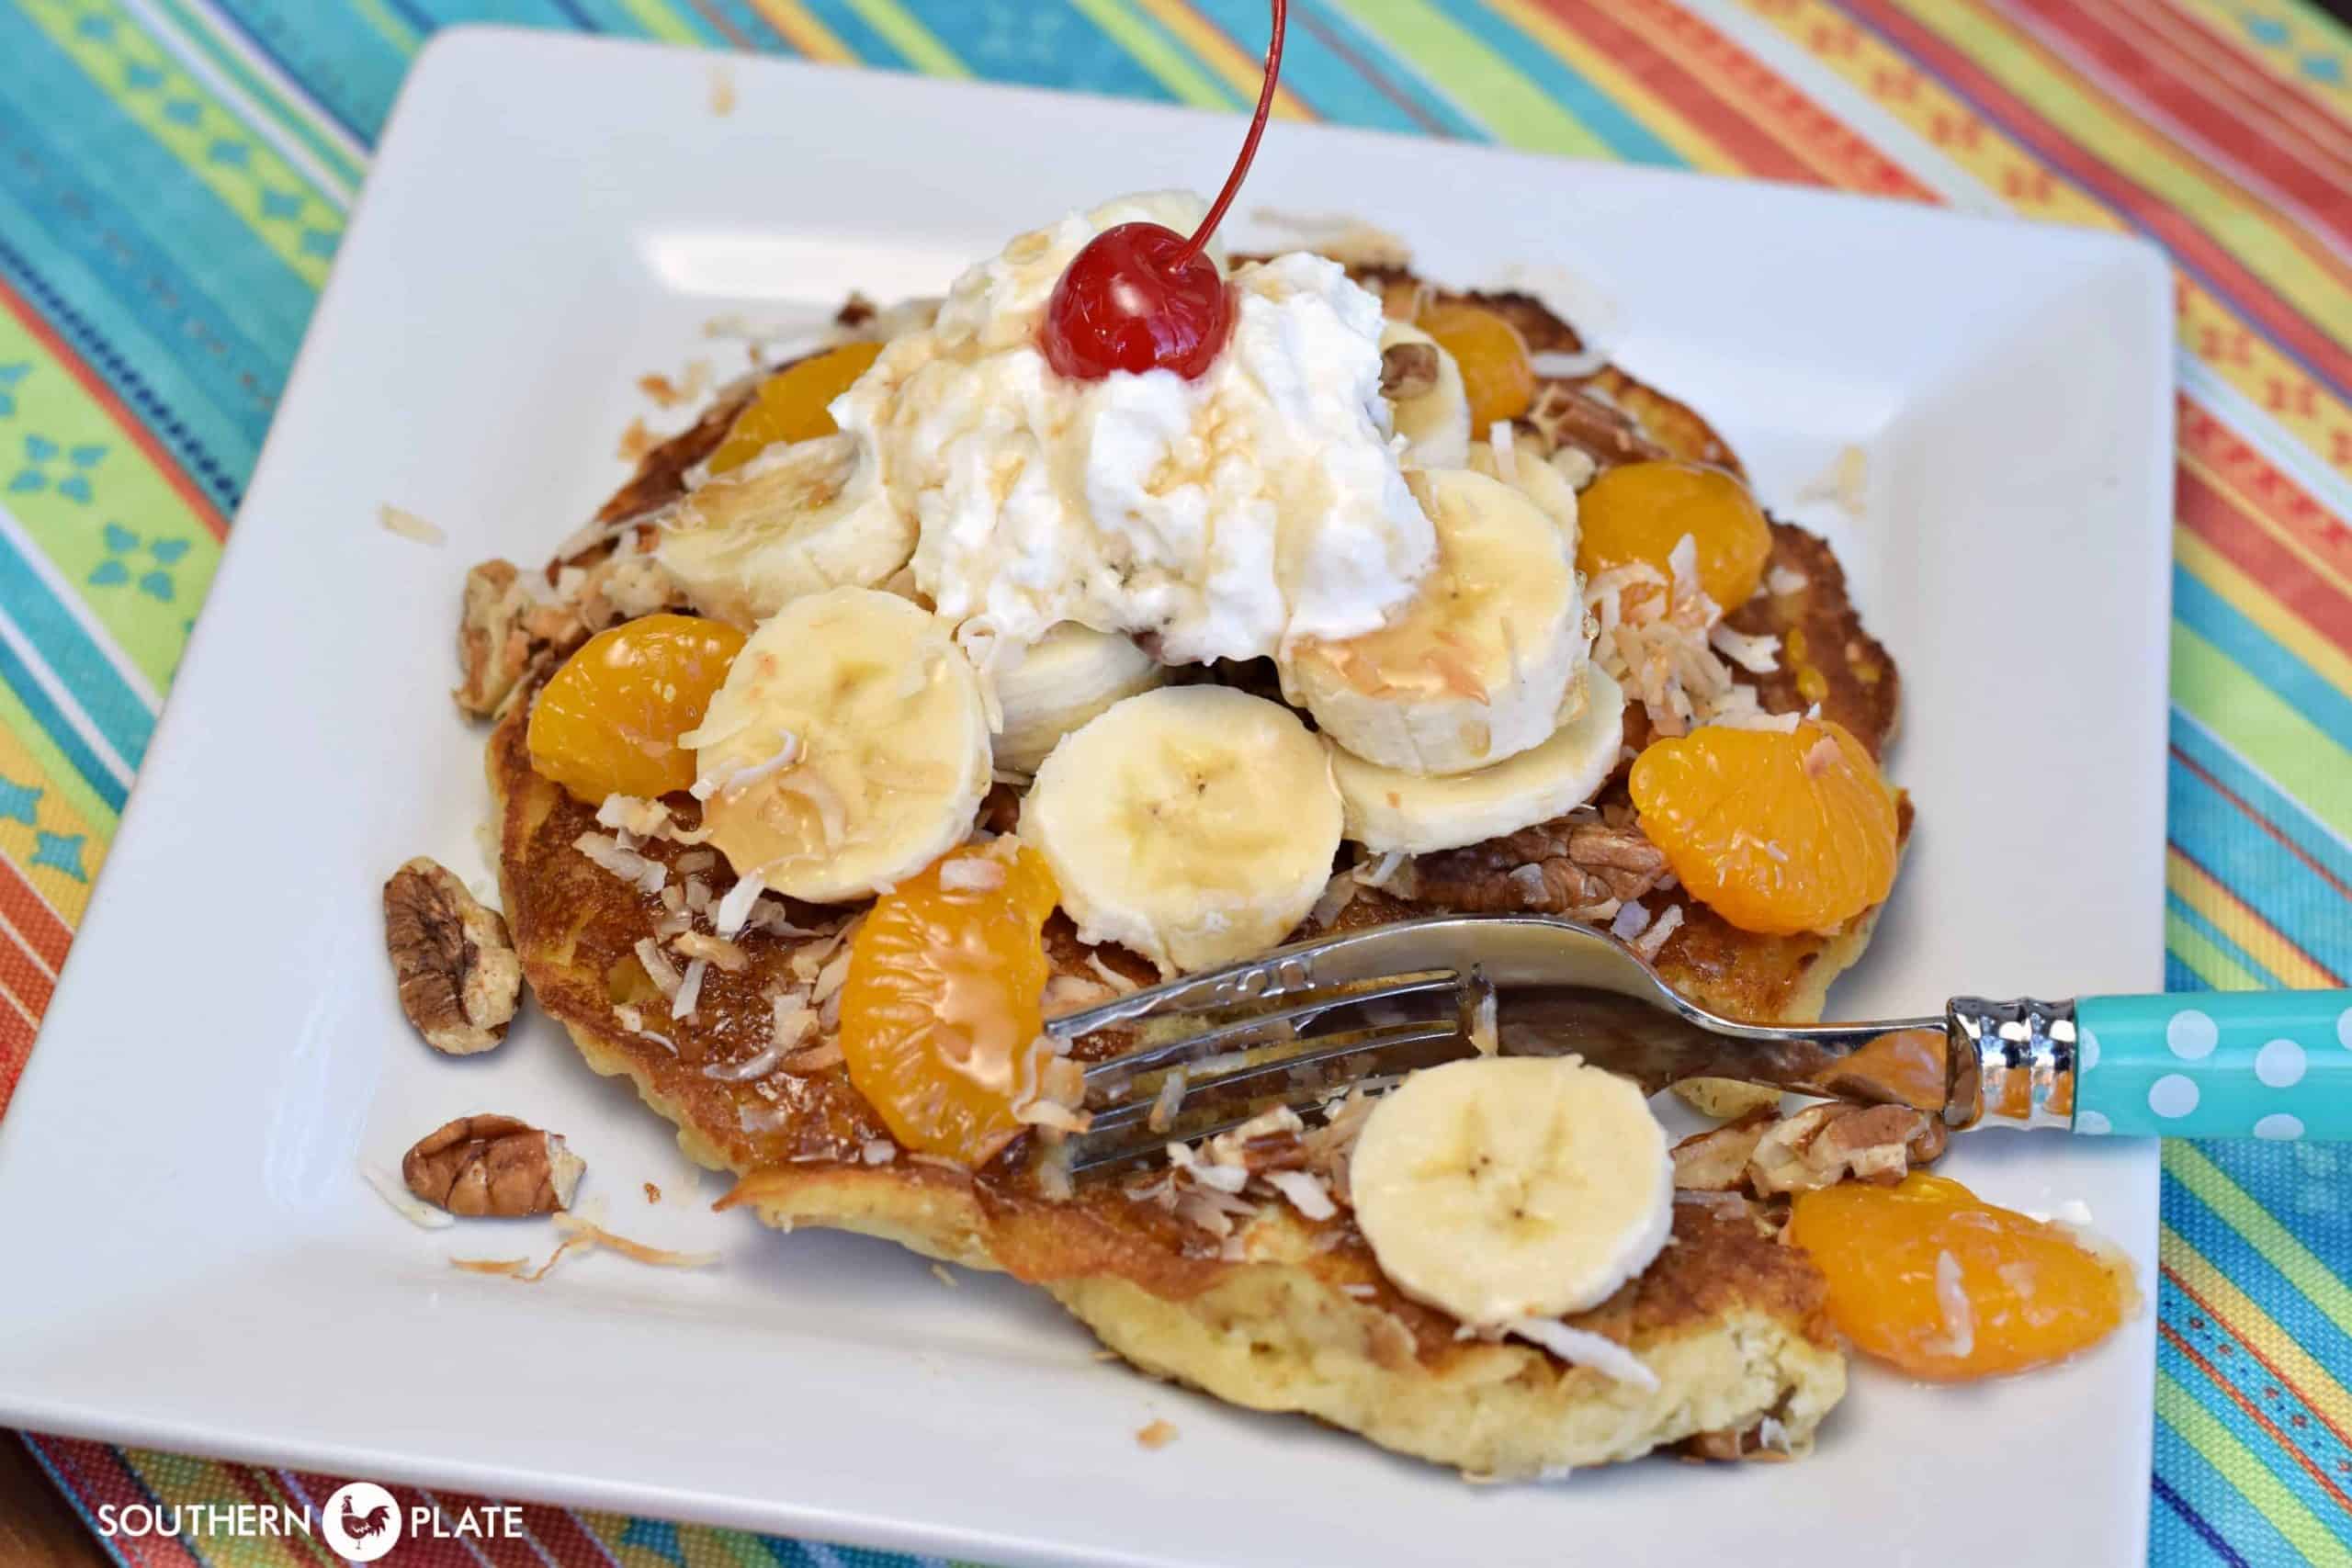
x=1432, y=413
x=1535, y=478
x=848, y=747
x=1194, y=824
x=794, y=520
x=1388, y=808
x=1066, y=678
x=1504, y=1187
x=1475, y=667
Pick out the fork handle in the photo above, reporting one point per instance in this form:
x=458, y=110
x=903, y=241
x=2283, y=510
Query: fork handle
x=2271, y=1064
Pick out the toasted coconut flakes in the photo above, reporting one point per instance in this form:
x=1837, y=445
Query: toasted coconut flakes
x=648, y=818
x=1951, y=1298
x=413, y=1209
x=1651, y=940
x=1382, y=870
x=1786, y=723
x=1069, y=993
x=672, y=925
x=831, y=977
x=816, y=1058
x=1577, y=466
x=697, y=894
x=1632, y=917
x=660, y=970
x=408, y=525
x=673, y=899
x=735, y=907
x=573, y=1229
x=1306, y=1195
x=1582, y=1348
x=1338, y=894
x=1783, y=580
x=697, y=860
x=512, y=1268
x=631, y=1017
x=757, y=1066
x=1758, y=654
x=689, y=988
x=1166, y=1103
x=879, y=1151
x=1042, y=1112
x=717, y=950
x=758, y=1119
x=1111, y=976
x=649, y=875
x=971, y=876
x=1159, y=1434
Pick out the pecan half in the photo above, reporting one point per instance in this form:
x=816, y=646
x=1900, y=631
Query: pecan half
x=1408, y=369
x=459, y=979
x=1583, y=869
x=1570, y=418
x=493, y=647
x=1716, y=1160
x=492, y=1165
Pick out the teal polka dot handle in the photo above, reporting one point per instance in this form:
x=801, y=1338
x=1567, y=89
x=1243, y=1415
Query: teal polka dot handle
x=2273, y=1065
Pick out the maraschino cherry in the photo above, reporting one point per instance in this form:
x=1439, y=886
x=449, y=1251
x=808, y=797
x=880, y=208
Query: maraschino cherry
x=1140, y=297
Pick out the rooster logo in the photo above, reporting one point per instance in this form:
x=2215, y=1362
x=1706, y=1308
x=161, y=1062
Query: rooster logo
x=361, y=1521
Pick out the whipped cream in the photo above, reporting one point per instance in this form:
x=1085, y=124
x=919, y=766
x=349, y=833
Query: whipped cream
x=1225, y=516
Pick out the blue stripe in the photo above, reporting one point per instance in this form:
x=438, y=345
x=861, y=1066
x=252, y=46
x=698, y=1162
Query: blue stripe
x=2177, y=905
x=2246, y=1268
x=1604, y=115
x=2169, y=1505
x=2239, y=1372
x=2283, y=811
x=2258, y=870
x=113, y=708
x=1325, y=18
x=2180, y=977
x=185, y=20
x=2230, y=1513
x=1050, y=43
x=19, y=680
x=2302, y=1186
x=745, y=19
x=350, y=70
x=871, y=49
x=2219, y=623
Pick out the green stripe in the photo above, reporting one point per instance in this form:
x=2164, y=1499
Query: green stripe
x=661, y=22
x=394, y=29
x=57, y=769
x=2263, y=728
x=1514, y=109
x=2206, y=1434
x=302, y=121
x=1157, y=54
x=918, y=43
x=2209, y=962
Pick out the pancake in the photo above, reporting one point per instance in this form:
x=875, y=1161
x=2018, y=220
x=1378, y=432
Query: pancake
x=1286, y=1313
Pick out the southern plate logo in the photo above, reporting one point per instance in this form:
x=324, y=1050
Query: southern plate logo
x=361, y=1521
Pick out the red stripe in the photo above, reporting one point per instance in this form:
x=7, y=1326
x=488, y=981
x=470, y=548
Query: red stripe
x=2251, y=94
x=2252, y=296
x=1658, y=72
x=1862, y=167
x=36, y=921
x=2215, y=518
x=2264, y=1361
x=2199, y=40
x=2278, y=496
x=2202, y=114
x=2255, y=1412
x=131, y=424
x=94, y=1474
x=17, y=1038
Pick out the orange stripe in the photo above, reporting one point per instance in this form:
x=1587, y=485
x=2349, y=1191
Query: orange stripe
x=33, y=917
x=805, y=32
x=2255, y=1412
x=127, y=422
x=2194, y=40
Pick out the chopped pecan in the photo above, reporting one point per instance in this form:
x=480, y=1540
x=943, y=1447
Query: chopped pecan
x=460, y=980
x=1823, y=1144
x=494, y=648
x=1716, y=1160
x=1408, y=369
x=1725, y=1099
x=1608, y=433
x=1581, y=868
x=492, y=1165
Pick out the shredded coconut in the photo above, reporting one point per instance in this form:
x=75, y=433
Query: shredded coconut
x=689, y=988
x=1168, y=1102
x=1653, y=940
x=787, y=753
x=647, y=818
x=1338, y=894
x=717, y=949
x=1111, y=976
x=879, y=1151
x=1382, y=869
x=1951, y=1298
x=412, y=1208
x=1582, y=1348
x=1758, y=654
x=750, y=1068
x=1631, y=916
x=1306, y=1195
x=648, y=876
x=660, y=970
x=974, y=875
x=735, y=906
x=1782, y=582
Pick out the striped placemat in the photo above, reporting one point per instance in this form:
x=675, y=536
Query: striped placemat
x=174, y=176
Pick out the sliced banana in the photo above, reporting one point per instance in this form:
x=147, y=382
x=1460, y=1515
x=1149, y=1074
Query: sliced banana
x=1535, y=478
x=1058, y=683
x=1475, y=666
x=1388, y=808
x=1194, y=824
x=1434, y=420
x=794, y=520
x=848, y=747
x=1504, y=1187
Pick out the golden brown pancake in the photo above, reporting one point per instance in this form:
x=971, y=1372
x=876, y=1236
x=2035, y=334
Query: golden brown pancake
x=1293, y=1314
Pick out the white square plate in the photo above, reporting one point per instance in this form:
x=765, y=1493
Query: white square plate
x=192, y=1262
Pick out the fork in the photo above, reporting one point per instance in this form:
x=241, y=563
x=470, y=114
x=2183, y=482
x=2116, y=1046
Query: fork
x=1306, y=1022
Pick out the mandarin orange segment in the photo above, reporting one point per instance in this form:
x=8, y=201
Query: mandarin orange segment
x=1776, y=831
x=1497, y=372
x=1639, y=512
x=944, y=1007
x=609, y=722
x=1931, y=1277
x=791, y=404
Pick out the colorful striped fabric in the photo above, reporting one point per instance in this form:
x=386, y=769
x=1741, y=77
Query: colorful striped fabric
x=174, y=176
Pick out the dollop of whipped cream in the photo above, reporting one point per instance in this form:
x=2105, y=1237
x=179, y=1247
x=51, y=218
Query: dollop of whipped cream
x=1223, y=516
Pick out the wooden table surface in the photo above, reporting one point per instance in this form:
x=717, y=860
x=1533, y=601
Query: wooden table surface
x=37, y=1528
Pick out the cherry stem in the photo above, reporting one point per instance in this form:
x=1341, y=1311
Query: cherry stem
x=1192, y=246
